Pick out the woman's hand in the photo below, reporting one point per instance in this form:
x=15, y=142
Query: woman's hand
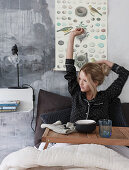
x=108, y=63
x=76, y=32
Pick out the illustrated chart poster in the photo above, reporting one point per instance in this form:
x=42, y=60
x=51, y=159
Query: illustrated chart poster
x=89, y=46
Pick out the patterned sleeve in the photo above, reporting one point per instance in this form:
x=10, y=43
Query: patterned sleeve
x=115, y=88
x=71, y=76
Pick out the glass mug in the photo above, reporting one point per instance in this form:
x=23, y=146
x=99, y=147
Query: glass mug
x=105, y=128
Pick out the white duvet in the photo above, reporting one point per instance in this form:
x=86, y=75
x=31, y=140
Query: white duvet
x=73, y=157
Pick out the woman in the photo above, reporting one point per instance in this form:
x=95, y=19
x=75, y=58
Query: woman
x=87, y=102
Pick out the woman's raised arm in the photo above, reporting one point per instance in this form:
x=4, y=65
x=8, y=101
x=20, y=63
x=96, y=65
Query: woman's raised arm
x=69, y=53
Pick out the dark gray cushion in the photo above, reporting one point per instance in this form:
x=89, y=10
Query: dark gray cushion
x=116, y=113
x=125, y=109
x=52, y=117
x=48, y=102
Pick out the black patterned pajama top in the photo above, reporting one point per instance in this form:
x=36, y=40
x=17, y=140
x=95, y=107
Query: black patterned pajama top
x=96, y=108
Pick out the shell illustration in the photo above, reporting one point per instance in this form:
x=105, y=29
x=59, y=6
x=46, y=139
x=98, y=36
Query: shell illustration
x=93, y=60
x=101, y=45
x=64, y=12
x=75, y=20
x=77, y=45
x=61, y=55
x=102, y=37
x=81, y=11
x=85, y=45
x=92, y=44
x=103, y=30
x=80, y=60
x=58, y=23
x=91, y=50
x=61, y=42
x=96, y=37
x=98, y=19
x=64, y=18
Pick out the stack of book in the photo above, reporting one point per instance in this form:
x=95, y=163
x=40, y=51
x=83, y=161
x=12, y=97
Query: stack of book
x=9, y=106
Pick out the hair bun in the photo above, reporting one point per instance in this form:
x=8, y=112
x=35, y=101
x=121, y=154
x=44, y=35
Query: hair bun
x=105, y=69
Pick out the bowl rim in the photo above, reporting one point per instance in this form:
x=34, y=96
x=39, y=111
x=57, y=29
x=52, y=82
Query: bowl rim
x=85, y=122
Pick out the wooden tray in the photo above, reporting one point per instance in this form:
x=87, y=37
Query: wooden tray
x=120, y=136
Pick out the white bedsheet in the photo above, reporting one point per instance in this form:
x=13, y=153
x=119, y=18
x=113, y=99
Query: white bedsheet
x=77, y=157
x=122, y=150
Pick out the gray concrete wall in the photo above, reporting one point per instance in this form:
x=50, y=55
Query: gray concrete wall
x=30, y=24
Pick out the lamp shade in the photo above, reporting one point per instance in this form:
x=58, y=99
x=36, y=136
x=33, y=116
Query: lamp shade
x=14, y=59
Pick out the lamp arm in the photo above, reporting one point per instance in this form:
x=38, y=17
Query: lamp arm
x=18, y=75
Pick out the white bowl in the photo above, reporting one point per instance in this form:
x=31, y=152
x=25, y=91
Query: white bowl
x=85, y=126
x=85, y=122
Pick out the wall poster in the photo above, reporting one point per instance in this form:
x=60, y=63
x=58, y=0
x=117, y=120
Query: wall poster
x=89, y=46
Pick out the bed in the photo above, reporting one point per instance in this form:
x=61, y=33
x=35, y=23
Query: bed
x=69, y=157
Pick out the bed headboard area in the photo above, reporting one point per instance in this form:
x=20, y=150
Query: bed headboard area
x=56, y=104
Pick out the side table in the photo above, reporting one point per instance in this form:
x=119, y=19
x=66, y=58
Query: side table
x=15, y=132
x=15, y=127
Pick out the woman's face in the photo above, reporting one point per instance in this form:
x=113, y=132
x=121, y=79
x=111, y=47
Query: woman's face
x=83, y=82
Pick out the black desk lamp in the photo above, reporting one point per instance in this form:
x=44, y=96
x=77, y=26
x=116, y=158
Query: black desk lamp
x=14, y=59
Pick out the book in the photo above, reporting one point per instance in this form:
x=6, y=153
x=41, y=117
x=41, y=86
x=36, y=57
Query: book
x=9, y=103
x=7, y=107
x=11, y=110
x=1, y=105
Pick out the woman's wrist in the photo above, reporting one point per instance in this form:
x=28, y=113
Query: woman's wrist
x=109, y=63
x=71, y=37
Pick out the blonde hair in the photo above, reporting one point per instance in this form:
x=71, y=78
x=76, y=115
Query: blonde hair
x=95, y=73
